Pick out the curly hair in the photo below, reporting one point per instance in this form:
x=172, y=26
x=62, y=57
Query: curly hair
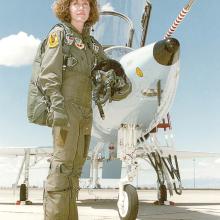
x=61, y=10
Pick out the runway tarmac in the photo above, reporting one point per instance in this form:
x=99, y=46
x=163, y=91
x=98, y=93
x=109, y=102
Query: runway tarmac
x=102, y=205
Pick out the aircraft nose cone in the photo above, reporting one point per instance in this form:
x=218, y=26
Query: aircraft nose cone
x=166, y=52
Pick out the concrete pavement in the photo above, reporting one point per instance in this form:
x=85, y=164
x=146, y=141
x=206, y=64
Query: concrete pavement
x=102, y=205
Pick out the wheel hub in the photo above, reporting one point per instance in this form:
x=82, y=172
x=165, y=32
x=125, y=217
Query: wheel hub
x=123, y=204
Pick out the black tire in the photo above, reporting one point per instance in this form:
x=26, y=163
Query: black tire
x=162, y=193
x=23, y=192
x=132, y=203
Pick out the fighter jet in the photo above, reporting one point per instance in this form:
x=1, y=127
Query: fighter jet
x=130, y=124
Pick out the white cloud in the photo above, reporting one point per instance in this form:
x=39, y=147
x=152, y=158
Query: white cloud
x=107, y=7
x=18, y=50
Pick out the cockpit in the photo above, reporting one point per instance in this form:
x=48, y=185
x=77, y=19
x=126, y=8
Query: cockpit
x=122, y=23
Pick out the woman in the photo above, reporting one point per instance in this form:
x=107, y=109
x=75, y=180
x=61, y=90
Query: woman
x=70, y=55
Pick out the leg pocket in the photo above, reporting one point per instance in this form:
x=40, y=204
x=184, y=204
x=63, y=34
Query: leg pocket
x=87, y=127
x=57, y=197
x=86, y=145
x=60, y=136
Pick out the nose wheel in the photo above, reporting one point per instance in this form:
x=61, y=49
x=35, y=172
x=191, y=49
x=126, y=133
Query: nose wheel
x=128, y=203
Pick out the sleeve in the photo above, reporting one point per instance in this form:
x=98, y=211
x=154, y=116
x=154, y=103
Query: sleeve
x=50, y=77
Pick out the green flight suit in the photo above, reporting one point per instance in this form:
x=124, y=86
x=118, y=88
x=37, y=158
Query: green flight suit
x=69, y=87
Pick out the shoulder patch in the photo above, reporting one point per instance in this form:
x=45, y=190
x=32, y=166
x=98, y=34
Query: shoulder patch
x=53, y=40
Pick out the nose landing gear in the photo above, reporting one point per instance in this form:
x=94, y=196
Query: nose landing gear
x=128, y=203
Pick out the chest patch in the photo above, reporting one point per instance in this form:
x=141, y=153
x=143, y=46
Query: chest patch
x=79, y=44
x=69, y=39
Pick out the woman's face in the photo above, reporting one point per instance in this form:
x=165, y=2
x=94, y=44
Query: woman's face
x=79, y=11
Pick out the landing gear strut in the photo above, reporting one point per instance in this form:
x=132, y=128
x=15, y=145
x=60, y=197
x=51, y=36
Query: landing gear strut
x=23, y=192
x=162, y=194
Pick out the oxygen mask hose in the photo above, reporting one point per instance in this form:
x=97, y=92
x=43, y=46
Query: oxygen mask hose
x=101, y=111
x=102, y=90
x=96, y=99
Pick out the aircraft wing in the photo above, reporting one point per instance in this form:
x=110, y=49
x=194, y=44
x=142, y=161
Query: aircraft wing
x=20, y=151
x=47, y=151
x=188, y=154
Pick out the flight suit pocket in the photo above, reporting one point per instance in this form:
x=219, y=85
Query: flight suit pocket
x=86, y=147
x=57, y=182
x=60, y=136
x=87, y=126
x=71, y=63
x=87, y=134
x=57, y=197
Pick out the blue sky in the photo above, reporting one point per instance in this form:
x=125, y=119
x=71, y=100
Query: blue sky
x=195, y=113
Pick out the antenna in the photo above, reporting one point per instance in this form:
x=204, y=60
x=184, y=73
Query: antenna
x=179, y=19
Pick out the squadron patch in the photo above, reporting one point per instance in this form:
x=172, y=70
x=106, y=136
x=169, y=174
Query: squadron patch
x=69, y=40
x=79, y=44
x=53, y=40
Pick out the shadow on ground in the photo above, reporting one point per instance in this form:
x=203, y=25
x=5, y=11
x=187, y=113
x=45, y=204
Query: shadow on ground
x=149, y=211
